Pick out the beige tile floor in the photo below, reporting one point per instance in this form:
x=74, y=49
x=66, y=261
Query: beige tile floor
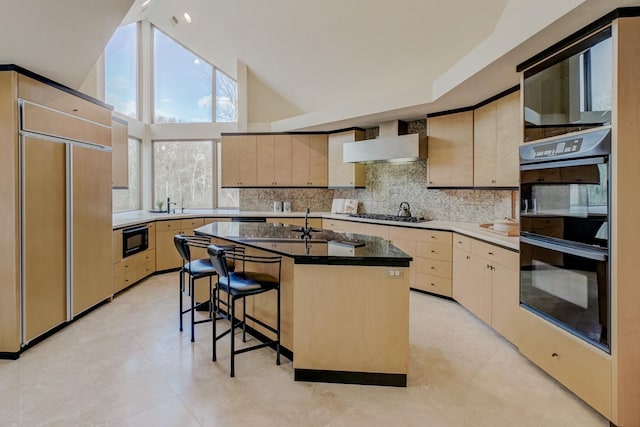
x=126, y=364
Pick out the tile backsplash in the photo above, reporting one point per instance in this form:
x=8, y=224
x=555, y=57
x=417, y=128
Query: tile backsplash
x=387, y=185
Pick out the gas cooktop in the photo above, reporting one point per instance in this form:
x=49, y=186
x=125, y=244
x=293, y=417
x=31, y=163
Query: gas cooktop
x=384, y=217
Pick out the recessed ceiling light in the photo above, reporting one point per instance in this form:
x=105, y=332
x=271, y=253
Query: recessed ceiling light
x=187, y=17
x=145, y=2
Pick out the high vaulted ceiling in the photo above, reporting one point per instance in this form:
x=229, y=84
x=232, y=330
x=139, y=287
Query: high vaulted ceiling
x=341, y=62
x=358, y=62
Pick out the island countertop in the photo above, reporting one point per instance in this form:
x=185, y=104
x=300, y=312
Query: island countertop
x=322, y=247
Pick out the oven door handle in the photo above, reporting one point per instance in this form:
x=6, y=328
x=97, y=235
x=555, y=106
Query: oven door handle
x=593, y=254
x=563, y=163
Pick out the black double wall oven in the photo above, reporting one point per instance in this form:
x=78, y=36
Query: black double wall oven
x=565, y=229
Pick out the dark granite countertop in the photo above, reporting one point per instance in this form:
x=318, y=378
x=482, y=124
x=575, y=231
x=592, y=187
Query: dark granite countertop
x=321, y=247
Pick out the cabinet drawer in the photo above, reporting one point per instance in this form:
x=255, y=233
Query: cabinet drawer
x=434, y=284
x=35, y=91
x=496, y=254
x=582, y=368
x=146, y=257
x=403, y=233
x=434, y=236
x=433, y=267
x=50, y=122
x=462, y=242
x=168, y=225
x=192, y=223
x=146, y=270
x=437, y=251
x=126, y=265
x=124, y=280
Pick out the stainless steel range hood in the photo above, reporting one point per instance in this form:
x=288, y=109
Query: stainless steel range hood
x=391, y=146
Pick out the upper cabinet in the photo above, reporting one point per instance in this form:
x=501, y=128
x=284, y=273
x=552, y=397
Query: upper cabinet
x=119, y=154
x=450, y=162
x=497, y=135
x=274, y=160
x=239, y=161
x=309, y=155
x=341, y=174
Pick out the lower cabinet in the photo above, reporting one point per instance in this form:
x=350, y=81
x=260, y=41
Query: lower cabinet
x=579, y=366
x=486, y=282
x=167, y=256
x=134, y=268
x=433, y=262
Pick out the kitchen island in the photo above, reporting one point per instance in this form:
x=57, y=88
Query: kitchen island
x=344, y=301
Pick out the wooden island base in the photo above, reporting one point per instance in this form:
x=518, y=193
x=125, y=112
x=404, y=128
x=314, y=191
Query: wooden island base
x=351, y=324
x=344, y=312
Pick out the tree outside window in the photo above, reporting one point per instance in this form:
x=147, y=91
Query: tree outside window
x=183, y=171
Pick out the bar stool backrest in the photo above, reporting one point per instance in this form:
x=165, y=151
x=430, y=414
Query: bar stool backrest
x=219, y=261
x=182, y=247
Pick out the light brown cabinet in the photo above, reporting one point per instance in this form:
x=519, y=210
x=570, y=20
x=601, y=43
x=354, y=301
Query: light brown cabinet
x=274, y=160
x=239, y=161
x=450, y=159
x=45, y=236
x=581, y=367
x=134, y=268
x=56, y=176
x=309, y=155
x=497, y=134
x=120, y=153
x=92, y=271
x=486, y=282
x=341, y=174
x=167, y=256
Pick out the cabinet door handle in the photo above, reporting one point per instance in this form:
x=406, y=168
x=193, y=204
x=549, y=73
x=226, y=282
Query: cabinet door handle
x=490, y=253
x=433, y=252
x=554, y=354
x=468, y=257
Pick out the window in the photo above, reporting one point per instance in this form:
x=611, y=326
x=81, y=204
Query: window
x=129, y=199
x=227, y=197
x=121, y=70
x=183, y=83
x=183, y=171
x=226, y=98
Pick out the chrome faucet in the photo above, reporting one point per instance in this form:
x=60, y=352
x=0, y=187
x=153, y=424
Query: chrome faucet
x=404, y=209
x=169, y=203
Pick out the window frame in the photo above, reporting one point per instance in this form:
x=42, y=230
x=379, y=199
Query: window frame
x=140, y=171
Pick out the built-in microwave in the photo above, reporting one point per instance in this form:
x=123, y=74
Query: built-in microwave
x=134, y=240
x=570, y=91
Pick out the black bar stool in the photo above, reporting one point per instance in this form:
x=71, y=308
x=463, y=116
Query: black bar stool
x=240, y=285
x=196, y=269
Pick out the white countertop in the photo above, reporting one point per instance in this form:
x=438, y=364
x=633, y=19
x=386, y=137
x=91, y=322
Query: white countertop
x=467, y=228
x=126, y=219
